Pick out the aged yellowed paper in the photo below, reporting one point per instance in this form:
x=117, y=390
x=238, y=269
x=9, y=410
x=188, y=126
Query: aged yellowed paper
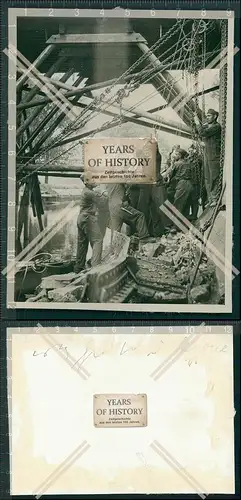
x=187, y=377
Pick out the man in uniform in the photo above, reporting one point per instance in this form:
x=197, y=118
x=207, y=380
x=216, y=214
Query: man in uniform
x=210, y=133
x=181, y=181
x=89, y=230
x=197, y=174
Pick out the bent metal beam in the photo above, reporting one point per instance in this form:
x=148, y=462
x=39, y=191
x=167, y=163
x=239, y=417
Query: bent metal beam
x=165, y=76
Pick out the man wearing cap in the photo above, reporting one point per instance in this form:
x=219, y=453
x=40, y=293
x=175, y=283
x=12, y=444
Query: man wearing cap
x=89, y=230
x=210, y=133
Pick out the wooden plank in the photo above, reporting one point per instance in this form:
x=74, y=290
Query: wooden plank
x=96, y=38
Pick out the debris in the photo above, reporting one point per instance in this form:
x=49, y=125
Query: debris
x=63, y=294
x=165, y=260
x=172, y=298
x=200, y=293
x=182, y=276
x=199, y=278
x=154, y=273
x=156, y=250
x=60, y=280
x=39, y=297
x=145, y=291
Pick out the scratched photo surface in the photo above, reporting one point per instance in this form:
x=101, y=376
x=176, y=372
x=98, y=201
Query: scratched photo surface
x=120, y=160
x=185, y=380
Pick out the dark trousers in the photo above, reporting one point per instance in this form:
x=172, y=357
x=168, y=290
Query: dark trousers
x=151, y=198
x=158, y=218
x=171, y=189
x=211, y=176
x=131, y=217
x=88, y=232
x=134, y=196
x=183, y=197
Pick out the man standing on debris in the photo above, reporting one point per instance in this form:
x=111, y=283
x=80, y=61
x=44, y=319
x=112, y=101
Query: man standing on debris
x=121, y=211
x=210, y=133
x=181, y=182
x=88, y=229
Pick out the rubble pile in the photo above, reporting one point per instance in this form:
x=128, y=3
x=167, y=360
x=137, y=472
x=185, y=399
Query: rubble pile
x=161, y=272
x=185, y=260
x=168, y=268
x=60, y=288
x=71, y=287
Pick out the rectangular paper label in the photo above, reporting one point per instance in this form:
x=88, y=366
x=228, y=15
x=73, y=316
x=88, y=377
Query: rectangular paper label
x=120, y=160
x=120, y=410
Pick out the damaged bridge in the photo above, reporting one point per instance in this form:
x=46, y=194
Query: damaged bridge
x=99, y=55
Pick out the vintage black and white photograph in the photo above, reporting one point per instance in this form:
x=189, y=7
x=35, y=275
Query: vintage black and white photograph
x=120, y=160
